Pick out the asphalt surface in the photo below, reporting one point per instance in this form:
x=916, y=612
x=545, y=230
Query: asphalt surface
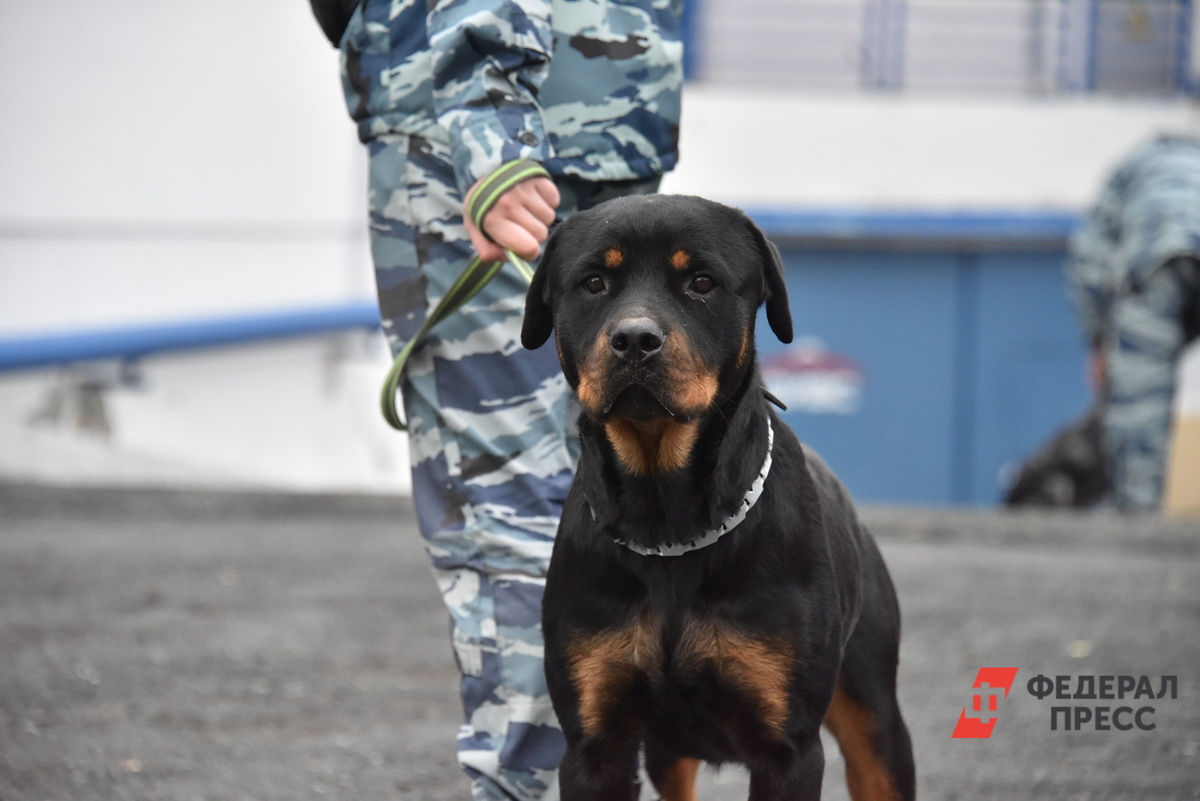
x=187, y=646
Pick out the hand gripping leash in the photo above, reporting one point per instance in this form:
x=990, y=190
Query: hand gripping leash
x=474, y=278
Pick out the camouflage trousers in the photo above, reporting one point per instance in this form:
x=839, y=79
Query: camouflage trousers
x=491, y=436
x=1142, y=351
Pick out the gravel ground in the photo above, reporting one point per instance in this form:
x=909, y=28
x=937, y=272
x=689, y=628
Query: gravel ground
x=181, y=645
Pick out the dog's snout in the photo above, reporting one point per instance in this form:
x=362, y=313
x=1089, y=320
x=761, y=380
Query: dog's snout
x=636, y=339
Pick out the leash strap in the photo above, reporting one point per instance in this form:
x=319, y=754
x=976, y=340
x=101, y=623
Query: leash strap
x=474, y=278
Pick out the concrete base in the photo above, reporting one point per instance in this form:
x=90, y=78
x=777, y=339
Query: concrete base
x=178, y=646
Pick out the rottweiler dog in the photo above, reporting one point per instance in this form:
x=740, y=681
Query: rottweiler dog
x=712, y=595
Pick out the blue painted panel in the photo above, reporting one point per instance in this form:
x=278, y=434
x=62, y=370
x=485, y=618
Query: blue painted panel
x=1029, y=368
x=894, y=314
x=969, y=362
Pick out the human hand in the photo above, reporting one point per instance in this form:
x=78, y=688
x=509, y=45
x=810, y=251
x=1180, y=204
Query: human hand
x=520, y=220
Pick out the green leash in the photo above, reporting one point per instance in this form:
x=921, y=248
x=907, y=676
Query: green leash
x=467, y=285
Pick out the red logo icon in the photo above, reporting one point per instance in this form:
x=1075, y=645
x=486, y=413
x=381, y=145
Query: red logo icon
x=979, y=717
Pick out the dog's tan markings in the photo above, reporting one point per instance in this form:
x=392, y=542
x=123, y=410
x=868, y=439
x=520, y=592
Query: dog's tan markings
x=744, y=353
x=678, y=782
x=605, y=665
x=675, y=445
x=655, y=446
x=613, y=258
x=660, y=446
x=696, y=392
x=592, y=372
x=628, y=445
x=695, y=385
x=854, y=727
x=760, y=669
x=680, y=259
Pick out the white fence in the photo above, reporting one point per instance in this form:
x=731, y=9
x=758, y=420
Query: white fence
x=1012, y=46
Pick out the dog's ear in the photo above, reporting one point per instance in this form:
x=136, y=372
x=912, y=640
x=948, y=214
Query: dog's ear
x=779, y=313
x=539, y=319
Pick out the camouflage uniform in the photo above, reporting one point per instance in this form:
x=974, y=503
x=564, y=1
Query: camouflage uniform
x=1133, y=271
x=442, y=98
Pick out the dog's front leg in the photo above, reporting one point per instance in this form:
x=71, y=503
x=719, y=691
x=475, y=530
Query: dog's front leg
x=792, y=772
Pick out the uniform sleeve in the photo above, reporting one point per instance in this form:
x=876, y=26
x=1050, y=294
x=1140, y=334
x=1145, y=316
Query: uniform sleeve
x=1089, y=264
x=1164, y=219
x=489, y=60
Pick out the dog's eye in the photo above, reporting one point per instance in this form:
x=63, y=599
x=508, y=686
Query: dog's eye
x=594, y=284
x=702, y=285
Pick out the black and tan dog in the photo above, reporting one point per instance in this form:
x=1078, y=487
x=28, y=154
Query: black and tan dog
x=712, y=595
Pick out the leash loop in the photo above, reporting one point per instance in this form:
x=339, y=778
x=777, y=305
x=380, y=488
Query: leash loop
x=474, y=278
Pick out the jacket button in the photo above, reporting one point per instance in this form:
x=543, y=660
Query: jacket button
x=530, y=138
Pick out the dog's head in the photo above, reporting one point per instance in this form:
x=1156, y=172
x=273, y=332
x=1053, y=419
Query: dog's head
x=653, y=301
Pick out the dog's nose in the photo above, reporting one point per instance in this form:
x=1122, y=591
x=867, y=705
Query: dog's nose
x=636, y=339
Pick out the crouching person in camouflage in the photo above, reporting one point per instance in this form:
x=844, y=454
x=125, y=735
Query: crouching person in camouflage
x=1135, y=275
x=444, y=95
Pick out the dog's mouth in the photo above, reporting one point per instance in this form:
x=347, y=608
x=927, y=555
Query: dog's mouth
x=637, y=403
x=675, y=387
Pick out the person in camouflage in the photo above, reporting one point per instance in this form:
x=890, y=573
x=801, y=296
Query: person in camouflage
x=444, y=94
x=1134, y=268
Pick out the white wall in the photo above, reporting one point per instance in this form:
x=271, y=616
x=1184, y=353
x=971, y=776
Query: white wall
x=167, y=160
x=160, y=160
x=910, y=151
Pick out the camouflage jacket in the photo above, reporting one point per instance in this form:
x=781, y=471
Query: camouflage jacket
x=1147, y=214
x=590, y=88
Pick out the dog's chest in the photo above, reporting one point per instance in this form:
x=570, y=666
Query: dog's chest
x=653, y=669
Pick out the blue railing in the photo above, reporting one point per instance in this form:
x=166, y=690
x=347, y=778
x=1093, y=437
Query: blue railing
x=133, y=341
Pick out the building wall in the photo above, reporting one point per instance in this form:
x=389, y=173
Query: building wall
x=963, y=360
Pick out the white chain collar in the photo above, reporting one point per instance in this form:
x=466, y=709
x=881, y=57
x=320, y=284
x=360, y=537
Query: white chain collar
x=731, y=522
